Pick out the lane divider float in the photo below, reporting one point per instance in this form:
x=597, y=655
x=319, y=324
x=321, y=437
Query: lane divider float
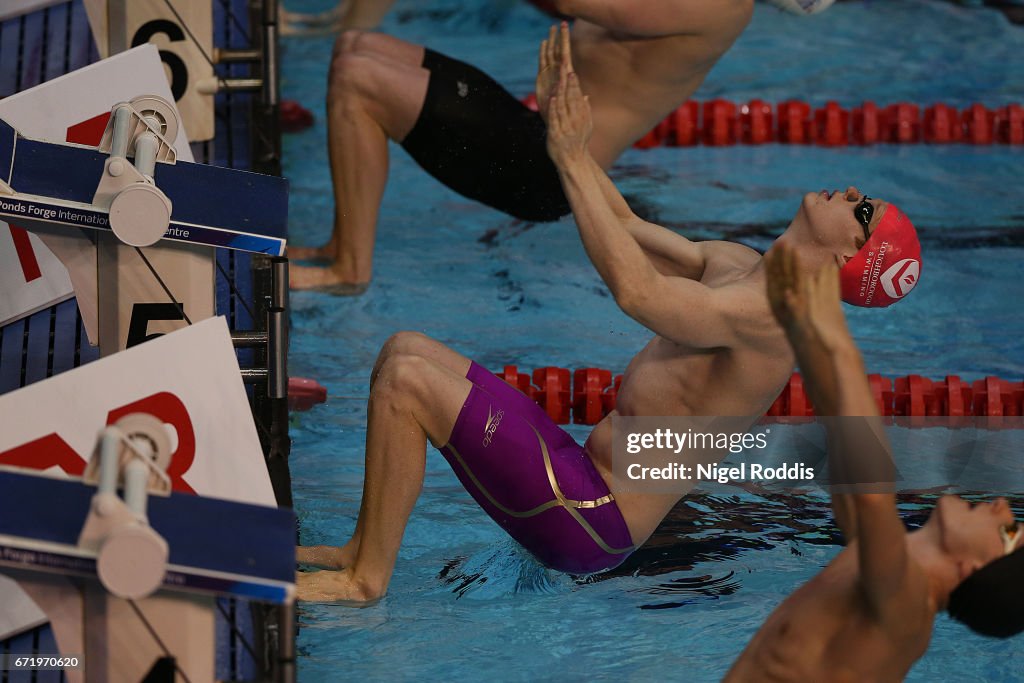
x=587, y=395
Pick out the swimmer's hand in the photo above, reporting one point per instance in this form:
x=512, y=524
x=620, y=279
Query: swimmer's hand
x=555, y=59
x=806, y=303
x=569, y=122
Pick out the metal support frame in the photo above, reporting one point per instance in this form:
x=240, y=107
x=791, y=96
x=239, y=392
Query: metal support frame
x=270, y=289
x=266, y=127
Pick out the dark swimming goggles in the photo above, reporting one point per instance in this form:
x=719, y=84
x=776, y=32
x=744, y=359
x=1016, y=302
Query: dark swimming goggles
x=863, y=212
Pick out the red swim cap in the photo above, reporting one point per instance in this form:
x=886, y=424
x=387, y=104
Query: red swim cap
x=887, y=267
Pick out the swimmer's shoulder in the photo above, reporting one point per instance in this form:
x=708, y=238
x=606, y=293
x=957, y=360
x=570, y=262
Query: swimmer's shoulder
x=726, y=262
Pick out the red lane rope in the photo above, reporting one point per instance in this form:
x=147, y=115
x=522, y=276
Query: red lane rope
x=719, y=123
x=588, y=394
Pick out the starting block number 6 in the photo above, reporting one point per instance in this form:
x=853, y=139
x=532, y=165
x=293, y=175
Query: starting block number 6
x=179, y=72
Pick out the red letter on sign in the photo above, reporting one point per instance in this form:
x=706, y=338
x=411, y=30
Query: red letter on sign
x=27, y=257
x=90, y=131
x=51, y=450
x=44, y=453
x=168, y=408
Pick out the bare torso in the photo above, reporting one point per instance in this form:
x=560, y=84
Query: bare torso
x=824, y=632
x=634, y=82
x=666, y=378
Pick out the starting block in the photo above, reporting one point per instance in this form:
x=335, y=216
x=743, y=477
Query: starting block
x=216, y=547
x=84, y=557
x=97, y=188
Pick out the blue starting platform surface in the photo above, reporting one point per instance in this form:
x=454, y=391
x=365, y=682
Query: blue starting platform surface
x=213, y=206
x=216, y=547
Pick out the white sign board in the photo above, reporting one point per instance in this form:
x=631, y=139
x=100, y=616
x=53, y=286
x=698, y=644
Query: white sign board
x=75, y=108
x=19, y=613
x=31, y=277
x=189, y=379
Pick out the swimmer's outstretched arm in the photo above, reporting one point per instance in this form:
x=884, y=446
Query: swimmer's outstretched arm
x=807, y=306
x=651, y=18
x=671, y=253
x=676, y=308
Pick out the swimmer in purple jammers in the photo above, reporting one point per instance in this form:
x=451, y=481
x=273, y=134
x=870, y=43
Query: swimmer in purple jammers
x=716, y=350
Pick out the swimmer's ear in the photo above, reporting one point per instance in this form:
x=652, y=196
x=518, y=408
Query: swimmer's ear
x=845, y=256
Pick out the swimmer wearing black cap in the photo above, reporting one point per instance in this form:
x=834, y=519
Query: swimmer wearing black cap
x=868, y=615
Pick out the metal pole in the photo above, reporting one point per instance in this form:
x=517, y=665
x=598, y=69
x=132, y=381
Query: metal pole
x=245, y=340
x=286, y=643
x=277, y=329
x=277, y=353
x=270, y=88
x=223, y=55
x=279, y=282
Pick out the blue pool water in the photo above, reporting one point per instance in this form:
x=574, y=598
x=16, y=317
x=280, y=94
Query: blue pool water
x=464, y=603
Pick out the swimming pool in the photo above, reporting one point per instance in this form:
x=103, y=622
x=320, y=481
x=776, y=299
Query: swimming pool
x=463, y=602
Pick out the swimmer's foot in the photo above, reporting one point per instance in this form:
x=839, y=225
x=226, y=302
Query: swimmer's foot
x=323, y=556
x=323, y=280
x=337, y=588
x=324, y=253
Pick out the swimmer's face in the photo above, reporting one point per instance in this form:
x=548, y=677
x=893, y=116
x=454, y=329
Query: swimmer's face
x=844, y=219
x=971, y=532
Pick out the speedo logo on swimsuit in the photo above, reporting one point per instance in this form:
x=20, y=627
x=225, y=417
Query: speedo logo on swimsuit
x=898, y=280
x=493, y=420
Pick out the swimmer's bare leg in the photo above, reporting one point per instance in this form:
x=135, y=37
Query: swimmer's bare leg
x=416, y=344
x=374, y=93
x=412, y=399
x=399, y=344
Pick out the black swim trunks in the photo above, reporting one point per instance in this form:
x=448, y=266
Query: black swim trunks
x=479, y=140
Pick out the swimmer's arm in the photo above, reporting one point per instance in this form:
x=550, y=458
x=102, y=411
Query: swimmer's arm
x=670, y=252
x=859, y=452
x=652, y=17
x=679, y=309
x=882, y=554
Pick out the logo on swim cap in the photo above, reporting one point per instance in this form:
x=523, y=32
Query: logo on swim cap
x=901, y=278
x=890, y=258
x=803, y=6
